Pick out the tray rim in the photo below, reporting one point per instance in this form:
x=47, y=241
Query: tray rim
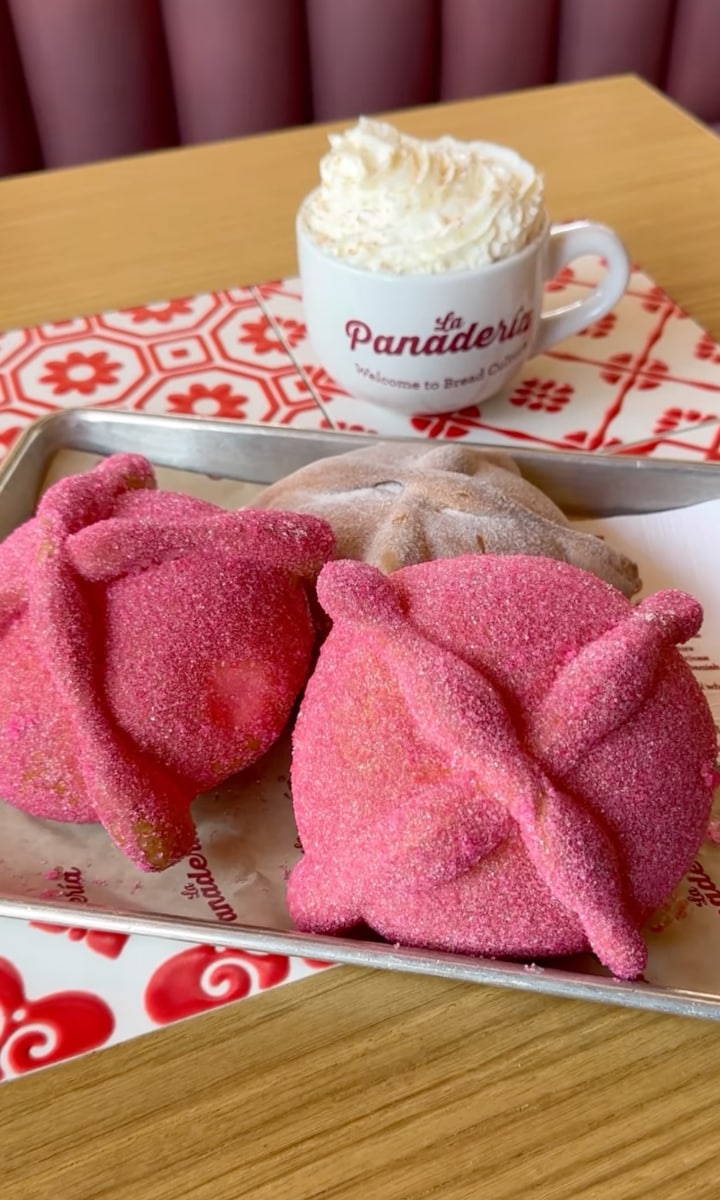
x=523, y=976
x=84, y=429
x=48, y=435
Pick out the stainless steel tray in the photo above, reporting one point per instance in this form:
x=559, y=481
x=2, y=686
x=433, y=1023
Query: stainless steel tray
x=582, y=484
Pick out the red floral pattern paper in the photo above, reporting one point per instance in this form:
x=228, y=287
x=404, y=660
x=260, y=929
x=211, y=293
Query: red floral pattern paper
x=640, y=373
x=638, y=378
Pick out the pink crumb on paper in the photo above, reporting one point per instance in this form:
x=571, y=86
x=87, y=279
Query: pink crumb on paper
x=713, y=831
x=671, y=912
x=56, y=873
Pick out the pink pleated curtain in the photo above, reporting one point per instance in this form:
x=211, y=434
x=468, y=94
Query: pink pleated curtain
x=82, y=80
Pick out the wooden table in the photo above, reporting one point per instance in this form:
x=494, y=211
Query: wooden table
x=357, y=1084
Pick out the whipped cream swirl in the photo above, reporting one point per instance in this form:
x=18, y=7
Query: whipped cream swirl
x=390, y=202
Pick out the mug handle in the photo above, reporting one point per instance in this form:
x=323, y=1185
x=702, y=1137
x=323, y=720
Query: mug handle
x=567, y=242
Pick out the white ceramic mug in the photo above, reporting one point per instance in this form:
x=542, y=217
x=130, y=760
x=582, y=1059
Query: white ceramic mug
x=435, y=343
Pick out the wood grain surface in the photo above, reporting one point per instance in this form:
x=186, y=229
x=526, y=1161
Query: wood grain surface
x=364, y=1085
x=180, y=221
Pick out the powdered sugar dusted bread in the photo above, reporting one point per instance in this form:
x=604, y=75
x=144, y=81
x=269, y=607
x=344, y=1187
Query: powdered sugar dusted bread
x=396, y=505
x=498, y=756
x=152, y=645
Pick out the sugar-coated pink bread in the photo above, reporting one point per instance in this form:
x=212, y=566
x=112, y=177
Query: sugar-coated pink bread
x=152, y=645
x=498, y=756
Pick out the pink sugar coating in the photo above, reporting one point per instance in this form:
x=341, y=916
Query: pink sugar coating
x=500, y=756
x=153, y=645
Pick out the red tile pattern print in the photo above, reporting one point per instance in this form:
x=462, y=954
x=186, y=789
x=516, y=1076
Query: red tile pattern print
x=597, y=384
x=110, y=945
x=344, y=427
x=215, y=355
x=655, y=300
x=200, y=400
x=35, y=1033
x=260, y=336
x=544, y=395
x=243, y=354
x=672, y=419
x=707, y=348
x=204, y=977
x=78, y=372
x=452, y=425
x=317, y=381
x=561, y=280
x=161, y=313
x=602, y=327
